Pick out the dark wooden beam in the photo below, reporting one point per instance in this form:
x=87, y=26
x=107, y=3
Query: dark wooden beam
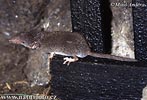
x=98, y=79
x=140, y=28
x=86, y=18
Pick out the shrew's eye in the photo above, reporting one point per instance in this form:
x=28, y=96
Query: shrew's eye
x=23, y=42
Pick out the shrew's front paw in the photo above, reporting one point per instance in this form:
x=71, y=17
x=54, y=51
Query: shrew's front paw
x=68, y=60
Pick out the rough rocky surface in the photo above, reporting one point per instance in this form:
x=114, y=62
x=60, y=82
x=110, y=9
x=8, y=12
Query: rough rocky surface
x=122, y=28
x=17, y=16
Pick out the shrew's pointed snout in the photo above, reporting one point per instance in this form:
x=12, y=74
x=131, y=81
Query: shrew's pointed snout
x=15, y=40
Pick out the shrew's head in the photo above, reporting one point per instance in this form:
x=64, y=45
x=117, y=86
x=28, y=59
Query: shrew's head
x=29, y=40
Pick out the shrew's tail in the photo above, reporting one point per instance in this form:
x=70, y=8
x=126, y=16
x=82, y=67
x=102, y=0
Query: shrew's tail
x=107, y=56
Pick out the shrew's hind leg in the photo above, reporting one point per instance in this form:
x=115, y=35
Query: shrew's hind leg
x=68, y=60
